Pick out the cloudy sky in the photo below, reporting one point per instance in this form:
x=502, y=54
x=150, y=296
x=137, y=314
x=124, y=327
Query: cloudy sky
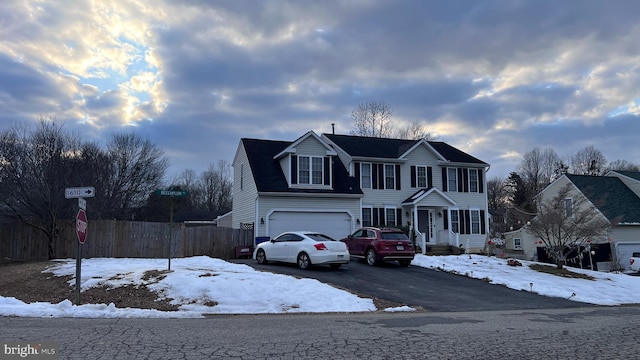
x=493, y=78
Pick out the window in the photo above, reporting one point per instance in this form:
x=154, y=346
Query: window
x=473, y=180
x=390, y=216
x=389, y=176
x=517, y=243
x=421, y=176
x=365, y=176
x=568, y=207
x=452, y=177
x=310, y=170
x=475, y=221
x=455, y=221
x=367, y=217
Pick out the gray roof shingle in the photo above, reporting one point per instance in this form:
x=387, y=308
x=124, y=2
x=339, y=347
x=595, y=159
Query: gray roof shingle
x=610, y=195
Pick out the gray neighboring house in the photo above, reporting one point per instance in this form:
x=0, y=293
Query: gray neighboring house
x=337, y=183
x=616, y=196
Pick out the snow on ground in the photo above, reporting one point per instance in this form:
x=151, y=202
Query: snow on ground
x=239, y=289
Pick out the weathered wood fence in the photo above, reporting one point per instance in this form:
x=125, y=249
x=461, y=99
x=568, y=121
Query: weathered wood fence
x=118, y=239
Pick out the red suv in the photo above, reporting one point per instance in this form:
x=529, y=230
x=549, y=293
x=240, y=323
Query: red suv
x=380, y=244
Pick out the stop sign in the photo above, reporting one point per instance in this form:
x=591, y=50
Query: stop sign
x=81, y=226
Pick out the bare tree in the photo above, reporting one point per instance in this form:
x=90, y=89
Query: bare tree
x=415, y=131
x=622, y=165
x=36, y=167
x=217, y=185
x=137, y=168
x=372, y=118
x=566, y=227
x=588, y=161
x=497, y=196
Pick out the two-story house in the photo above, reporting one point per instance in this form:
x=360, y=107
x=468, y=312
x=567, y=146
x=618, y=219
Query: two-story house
x=337, y=183
x=615, y=197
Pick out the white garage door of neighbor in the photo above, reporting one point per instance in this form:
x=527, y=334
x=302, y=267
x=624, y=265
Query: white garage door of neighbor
x=335, y=224
x=624, y=251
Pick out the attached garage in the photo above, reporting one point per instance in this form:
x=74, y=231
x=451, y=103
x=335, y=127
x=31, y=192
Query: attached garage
x=336, y=224
x=624, y=251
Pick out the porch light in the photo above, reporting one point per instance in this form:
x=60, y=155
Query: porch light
x=262, y=221
x=439, y=213
x=357, y=221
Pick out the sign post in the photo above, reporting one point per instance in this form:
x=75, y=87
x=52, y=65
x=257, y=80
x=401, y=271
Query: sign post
x=82, y=224
x=172, y=194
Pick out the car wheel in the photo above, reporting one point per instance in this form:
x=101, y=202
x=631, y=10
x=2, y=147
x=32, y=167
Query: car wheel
x=261, y=257
x=371, y=257
x=335, y=266
x=404, y=263
x=303, y=261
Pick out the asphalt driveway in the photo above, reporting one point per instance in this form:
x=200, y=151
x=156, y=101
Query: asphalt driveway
x=420, y=287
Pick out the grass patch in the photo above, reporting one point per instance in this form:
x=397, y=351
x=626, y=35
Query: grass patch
x=553, y=270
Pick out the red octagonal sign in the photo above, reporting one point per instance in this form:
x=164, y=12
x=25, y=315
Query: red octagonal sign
x=81, y=226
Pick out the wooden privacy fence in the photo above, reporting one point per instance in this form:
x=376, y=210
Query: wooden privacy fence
x=118, y=239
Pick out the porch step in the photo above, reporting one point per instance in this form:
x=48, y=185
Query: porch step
x=442, y=250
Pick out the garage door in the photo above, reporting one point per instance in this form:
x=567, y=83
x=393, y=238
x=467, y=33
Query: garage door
x=624, y=251
x=335, y=224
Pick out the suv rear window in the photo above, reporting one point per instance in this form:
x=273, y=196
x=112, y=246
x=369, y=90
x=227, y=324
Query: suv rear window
x=393, y=236
x=635, y=254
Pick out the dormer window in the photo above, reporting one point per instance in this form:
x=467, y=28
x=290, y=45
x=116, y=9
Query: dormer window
x=310, y=170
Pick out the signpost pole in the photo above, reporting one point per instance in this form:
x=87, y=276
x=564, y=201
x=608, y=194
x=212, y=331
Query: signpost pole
x=78, y=271
x=170, y=232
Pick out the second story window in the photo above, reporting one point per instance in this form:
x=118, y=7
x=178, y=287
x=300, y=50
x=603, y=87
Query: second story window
x=365, y=175
x=452, y=178
x=473, y=180
x=568, y=207
x=389, y=176
x=310, y=170
x=421, y=176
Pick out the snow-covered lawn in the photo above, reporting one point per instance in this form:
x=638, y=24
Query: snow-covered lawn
x=239, y=289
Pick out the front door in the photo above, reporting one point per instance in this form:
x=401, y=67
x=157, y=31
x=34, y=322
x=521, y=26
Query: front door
x=425, y=221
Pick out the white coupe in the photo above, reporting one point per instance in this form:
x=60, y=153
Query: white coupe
x=305, y=248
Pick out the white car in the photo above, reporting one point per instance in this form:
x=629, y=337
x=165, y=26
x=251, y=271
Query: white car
x=305, y=248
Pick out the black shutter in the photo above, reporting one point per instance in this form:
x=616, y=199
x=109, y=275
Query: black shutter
x=381, y=184
x=398, y=177
x=444, y=179
x=429, y=177
x=294, y=169
x=483, y=230
x=356, y=171
x=374, y=176
x=480, y=181
x=465, y=176
x=467, y=221
x=399, y=217
x=327, y=170
x=445, y=217
x=460, y=186
x=461, y=224
x=413, y=176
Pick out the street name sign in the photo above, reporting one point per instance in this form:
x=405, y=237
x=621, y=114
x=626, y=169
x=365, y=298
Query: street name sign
x=79, y=192
x=171, y=193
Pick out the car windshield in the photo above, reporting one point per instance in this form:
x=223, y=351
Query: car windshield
x=320, y=237
x=393, y=236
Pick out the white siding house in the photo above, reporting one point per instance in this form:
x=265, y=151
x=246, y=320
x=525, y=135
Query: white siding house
x=337, y=183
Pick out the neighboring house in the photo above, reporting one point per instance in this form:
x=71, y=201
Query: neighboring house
x=337, y=183
x=616, y=196
x=224, y=220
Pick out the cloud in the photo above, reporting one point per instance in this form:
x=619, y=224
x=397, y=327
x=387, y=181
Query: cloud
x=494, y=78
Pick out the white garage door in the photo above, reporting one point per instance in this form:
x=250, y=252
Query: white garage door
x=335, y=224
x=624, y=251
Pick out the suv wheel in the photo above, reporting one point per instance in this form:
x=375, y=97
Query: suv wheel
x=371, y=257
